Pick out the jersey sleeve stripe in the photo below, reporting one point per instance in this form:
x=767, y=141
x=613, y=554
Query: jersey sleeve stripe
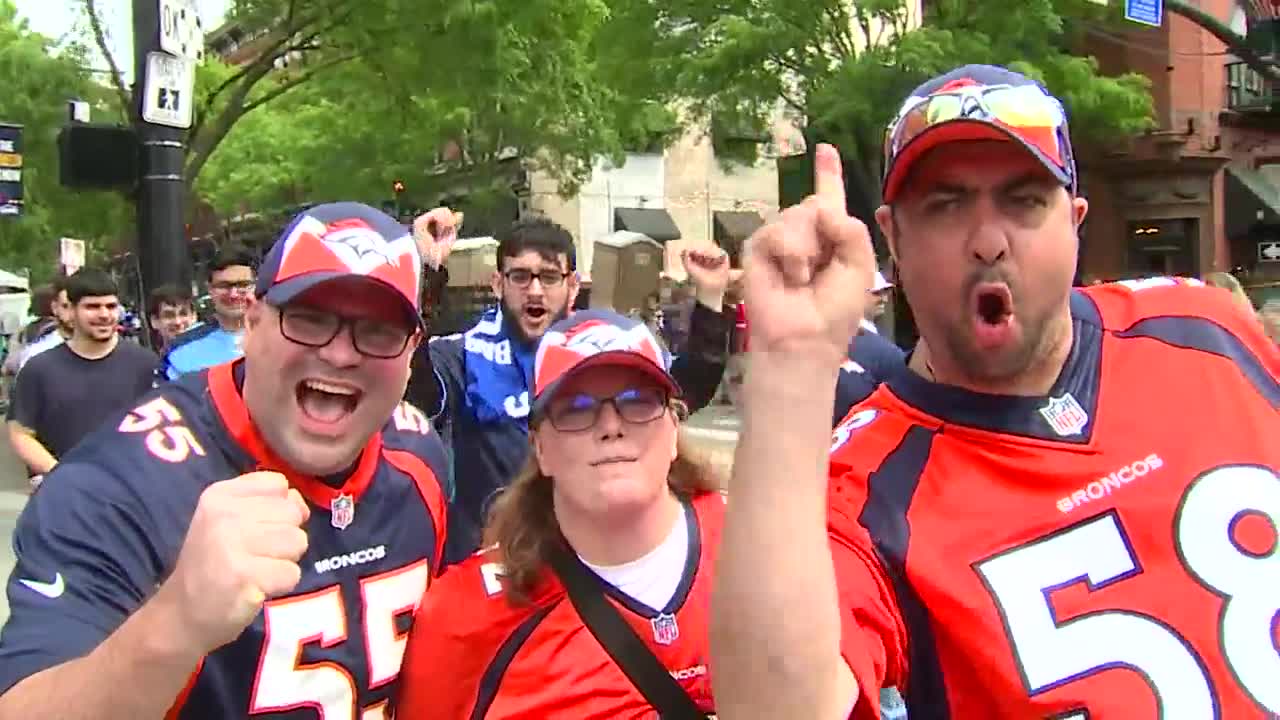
x=1203, y=335
x=432, y=492
x=502, y=660
x=891, y=488
x=184, y=695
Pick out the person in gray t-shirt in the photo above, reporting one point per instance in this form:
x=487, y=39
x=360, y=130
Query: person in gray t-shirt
x=66, y=392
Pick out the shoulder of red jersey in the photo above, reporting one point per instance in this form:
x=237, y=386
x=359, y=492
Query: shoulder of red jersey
x=468, y=603
x=1125, y=303
x=1186, y=313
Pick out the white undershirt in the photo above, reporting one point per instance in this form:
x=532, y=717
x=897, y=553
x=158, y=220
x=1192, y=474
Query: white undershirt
x=652, y=580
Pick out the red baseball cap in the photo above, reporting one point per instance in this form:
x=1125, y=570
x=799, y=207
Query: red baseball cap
x=342, y=240
x=592, y=338
x=979, y=102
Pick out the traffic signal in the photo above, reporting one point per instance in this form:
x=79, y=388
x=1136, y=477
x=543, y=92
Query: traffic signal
x=98, y=156
x=397, y=187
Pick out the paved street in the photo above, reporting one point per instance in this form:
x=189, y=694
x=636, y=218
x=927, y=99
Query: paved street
x=714, y=429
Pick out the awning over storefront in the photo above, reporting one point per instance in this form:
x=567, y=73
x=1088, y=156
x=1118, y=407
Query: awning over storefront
x=654, y=222
x=1250, y=198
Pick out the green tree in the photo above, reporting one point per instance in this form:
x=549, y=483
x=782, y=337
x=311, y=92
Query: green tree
x=38, y=79
x=841, y=68
x=359, y=90
x=542, y=79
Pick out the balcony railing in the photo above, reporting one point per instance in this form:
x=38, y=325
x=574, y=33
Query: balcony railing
x=1249, y=91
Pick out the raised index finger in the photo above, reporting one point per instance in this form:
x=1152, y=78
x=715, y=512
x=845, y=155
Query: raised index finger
x=828, y=177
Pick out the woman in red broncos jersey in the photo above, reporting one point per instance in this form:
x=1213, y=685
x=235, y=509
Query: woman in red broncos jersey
x=611, y=490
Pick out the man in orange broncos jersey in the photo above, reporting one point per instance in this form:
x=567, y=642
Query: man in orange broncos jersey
x=608, y=487
x=1069, y=511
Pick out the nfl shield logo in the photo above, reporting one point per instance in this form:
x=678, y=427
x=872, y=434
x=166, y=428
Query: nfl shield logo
x=1065, y=415
x=665, y=630
x=342, y=511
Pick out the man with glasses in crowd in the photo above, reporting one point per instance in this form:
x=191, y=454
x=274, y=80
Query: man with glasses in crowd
x=476, y=385
x=170, y=311
x=231, y=283
x=1068, y=508
x=252, y=540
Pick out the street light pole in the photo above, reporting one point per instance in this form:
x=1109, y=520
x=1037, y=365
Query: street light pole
x=162, y=251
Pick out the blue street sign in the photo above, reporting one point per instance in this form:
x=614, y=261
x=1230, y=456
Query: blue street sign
x=1146, y=12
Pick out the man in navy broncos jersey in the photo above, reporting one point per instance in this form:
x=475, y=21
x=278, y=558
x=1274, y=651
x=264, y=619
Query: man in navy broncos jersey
x=251, y=541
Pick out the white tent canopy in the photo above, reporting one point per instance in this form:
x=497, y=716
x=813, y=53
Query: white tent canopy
x=10, y=282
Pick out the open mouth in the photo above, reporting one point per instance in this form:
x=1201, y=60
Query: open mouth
x=993, y=304
x=326, y=402
x=535, y=313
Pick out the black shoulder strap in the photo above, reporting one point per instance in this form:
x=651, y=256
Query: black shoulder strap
x=626, y=648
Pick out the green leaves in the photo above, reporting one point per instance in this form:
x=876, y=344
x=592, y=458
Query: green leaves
x=39, y=79
x=845, y=66
x=555, y=80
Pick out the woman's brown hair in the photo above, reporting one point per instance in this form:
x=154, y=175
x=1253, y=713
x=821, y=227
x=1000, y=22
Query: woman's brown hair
x=522, y=521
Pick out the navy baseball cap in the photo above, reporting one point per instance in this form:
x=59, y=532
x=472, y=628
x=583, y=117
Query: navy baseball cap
x=979, y=102
x=342, y=240
x=592, y=338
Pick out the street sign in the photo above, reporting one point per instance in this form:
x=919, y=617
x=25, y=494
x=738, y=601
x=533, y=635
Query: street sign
x=168, y=89
x=1269, y=251
x=10, y=170
x=71, y=254
x=180, y=31
x=1144, y=12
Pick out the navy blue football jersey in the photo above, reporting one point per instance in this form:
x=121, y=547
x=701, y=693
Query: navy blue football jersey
x=106, y=526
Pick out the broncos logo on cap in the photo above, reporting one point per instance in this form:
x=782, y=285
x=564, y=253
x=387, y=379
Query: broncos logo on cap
x=598, y=337
x=360, y=246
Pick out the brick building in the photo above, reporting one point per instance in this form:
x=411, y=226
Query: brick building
x=1201, y=191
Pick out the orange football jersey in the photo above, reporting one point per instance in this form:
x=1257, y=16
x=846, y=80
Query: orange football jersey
x=473, y=654
x=1107, y=551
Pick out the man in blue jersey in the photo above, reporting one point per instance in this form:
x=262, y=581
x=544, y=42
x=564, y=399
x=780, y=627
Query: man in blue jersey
x=476, y=385
x=250, y=541
x=220, y=339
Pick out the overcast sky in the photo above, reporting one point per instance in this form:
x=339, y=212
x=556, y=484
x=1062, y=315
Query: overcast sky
x=58, y=18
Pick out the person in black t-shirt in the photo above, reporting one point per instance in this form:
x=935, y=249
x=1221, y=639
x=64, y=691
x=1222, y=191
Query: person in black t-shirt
x=63, y=394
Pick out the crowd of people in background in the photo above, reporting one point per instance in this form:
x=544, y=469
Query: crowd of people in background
x=270, y=508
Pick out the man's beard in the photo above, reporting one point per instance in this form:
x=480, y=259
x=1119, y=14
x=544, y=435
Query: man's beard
x=511, y=323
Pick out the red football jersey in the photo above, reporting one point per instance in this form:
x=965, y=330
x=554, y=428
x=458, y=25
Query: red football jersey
x=1108, y=551
x=473, y=654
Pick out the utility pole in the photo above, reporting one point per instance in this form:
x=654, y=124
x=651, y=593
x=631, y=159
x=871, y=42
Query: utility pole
x=162, y=250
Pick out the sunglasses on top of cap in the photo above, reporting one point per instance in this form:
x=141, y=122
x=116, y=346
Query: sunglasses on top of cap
x=371, y=337
x=1028, y=111
x=575, y=412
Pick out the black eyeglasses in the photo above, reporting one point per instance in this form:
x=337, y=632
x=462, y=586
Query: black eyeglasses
x=316, y=328
x=578, y=412
x=244, y=285
x=521, y=277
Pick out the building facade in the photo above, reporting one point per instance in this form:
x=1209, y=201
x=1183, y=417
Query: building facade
x=1201, y=191
x=683, y=196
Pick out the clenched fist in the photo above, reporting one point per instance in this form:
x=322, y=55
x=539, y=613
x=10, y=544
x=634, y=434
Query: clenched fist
x=435, y=232
x=807, y=272
x=242, y=547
